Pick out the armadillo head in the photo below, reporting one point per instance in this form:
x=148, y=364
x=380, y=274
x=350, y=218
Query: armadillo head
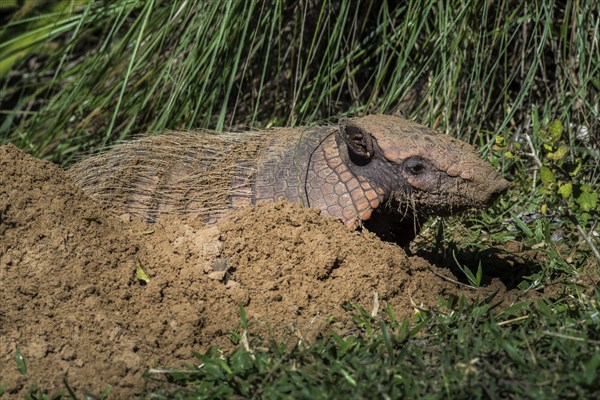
x=418, y=171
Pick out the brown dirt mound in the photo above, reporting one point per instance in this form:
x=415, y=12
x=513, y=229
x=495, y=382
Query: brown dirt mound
x=72, y=305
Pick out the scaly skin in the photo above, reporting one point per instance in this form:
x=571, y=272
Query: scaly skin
x=380, y=171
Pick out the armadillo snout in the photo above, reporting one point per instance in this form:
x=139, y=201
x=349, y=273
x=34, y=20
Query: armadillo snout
x=496, y=188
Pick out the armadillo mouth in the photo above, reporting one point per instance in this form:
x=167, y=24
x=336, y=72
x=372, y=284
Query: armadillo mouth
x=402, y=215
x=407, y=204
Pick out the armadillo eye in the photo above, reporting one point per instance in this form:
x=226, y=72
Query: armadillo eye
x=414, y=165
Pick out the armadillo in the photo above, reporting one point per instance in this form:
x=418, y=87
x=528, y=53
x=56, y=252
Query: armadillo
x=381, y=172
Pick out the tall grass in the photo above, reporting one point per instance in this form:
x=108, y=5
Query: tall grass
x=127, y=67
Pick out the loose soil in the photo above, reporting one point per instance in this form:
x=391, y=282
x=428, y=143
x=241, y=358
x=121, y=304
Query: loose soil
x=73, y=306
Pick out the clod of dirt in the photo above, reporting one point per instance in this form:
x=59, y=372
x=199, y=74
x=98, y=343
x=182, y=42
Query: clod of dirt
x=74, y=306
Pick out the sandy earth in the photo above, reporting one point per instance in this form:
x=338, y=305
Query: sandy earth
x=71, y=302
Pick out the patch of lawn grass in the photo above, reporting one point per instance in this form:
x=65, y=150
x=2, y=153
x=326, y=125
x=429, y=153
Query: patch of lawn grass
x=538, y=350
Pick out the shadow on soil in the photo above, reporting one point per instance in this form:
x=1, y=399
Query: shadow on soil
x=509, y=266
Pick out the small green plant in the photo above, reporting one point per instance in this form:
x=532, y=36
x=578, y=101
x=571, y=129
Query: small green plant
x=561, y=175
x=474, y=278
x=561, y=181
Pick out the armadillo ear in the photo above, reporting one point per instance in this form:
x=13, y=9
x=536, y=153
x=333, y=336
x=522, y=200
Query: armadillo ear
x=359, y=142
